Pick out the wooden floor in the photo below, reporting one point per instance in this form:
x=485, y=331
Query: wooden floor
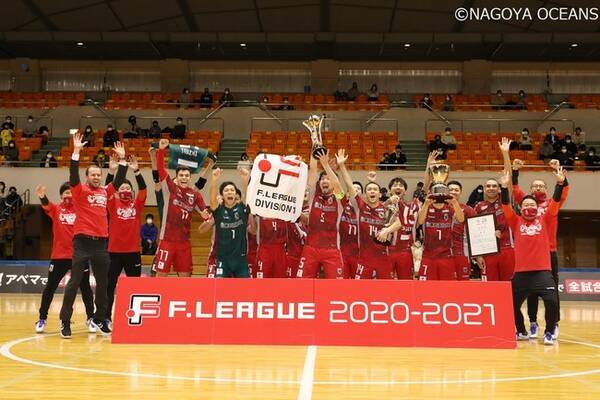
x=89, y=366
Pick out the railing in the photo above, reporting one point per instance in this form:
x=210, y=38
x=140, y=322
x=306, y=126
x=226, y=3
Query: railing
x=329, y=124
x=499, y=124
x=121, y=123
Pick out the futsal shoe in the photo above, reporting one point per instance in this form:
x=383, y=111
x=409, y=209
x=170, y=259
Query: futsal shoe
x=40, y=326
x=533, y=330
x=103, y=327
x=91, y=327
x=555, y=333
x=548, y=339
x=65, y=329
x=522, y=336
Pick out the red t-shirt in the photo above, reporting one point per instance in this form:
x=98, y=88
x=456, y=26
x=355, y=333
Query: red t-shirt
x=295, y=239
x=323, y=220
x=63, y=220
x=532, y=238
x=404, y=237
x=348, y=230
x=459, y=242
x=437, y=232
x=90, y=207
x=485, y=207
x=271, y=231
x=370, y=221
x=124, y=223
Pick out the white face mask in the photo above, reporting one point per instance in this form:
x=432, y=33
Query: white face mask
x=563, y=151
x=149, y=221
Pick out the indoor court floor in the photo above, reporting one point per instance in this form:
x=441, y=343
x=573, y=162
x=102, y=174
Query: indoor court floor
x=89, y=366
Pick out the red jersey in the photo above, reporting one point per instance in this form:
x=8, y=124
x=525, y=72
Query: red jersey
x=323, y=220
x=179, y=202
x=370, y=221
x=404, y=238
x=295, y=239
x=252, y=246
x=485, y=207
x=532, y=238
x=459, y=242
x=90, y=207
x=124, y=223
x=63, y=220
x=348, y=230
x=271, y=231
x=437, y=232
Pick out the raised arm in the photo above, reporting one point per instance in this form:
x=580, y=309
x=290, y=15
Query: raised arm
x=341, y=158
x=335, y=182
x=119, y=149
x=245, y=177
x=139, y=178
x=206, y=225
x=430, y=160
x=509, y=213
x=78, y=144
x=160, y=159
x=313, y=172
x=504, y=145
x=518, y=193
x=214, y=189
x=423, y=211
x=40, y=191
x=201, y=182
x=113, y=164
x=459, y=215
x=555, y=203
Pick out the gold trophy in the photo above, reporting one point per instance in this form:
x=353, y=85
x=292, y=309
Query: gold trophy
x=314, y=124
x=391, y=213
x=439, y=175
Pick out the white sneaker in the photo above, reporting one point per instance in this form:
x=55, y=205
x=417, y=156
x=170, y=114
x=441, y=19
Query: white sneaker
x=533, y=330
x=91, y=325
x=555, y=333
x=40, y=326
x=548, y=340
x=110, y=324
x=522, y=336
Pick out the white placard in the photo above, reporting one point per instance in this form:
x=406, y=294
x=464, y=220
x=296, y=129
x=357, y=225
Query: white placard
x=481, y=235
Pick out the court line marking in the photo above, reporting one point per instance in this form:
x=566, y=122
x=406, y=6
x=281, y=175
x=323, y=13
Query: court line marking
x=5, y=351
x=308, y=374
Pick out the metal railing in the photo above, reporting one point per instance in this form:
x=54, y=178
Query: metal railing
x=329, y=124
x=500, y=124
x=121, y=123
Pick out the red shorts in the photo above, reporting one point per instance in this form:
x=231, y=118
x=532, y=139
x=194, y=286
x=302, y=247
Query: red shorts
x=402, y=263
x=462, y=265
x=437, y=269
x=350, y=264
x=251, y=257
x=211, y=266
x=270, y=262
x=312, y=258
x=174, y=254
x=500, y=266
x=374, y=268
x=292, y=265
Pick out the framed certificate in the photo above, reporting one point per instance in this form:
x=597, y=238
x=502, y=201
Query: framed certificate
x=481, y=235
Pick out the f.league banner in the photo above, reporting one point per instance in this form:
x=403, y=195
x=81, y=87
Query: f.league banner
x=277, y=186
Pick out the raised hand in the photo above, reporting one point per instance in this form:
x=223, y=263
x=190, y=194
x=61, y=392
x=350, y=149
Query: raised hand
x=40, y=191
x=133, y=163
x=323, y=157
x=244, y=174
x=559, y=173
x=504, y=179
x=372, y=176
x=554, y=164
x=341, y=157
x=78, y=143
x=517, y=164
x=504, y=145
x=163, y=144
x=113, y=163
x=433, y=157
x=120, y=150
x=216, y=173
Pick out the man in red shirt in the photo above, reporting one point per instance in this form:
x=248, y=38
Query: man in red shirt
x=322, y=245
x=349, y=233
x=181, y=200
x=125, y=216
x=90, y=235
x=271, y=235
x=63, y=219
x=532, y=254
x=460, y=252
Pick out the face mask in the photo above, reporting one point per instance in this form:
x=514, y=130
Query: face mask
x=568, y=140
x=179, y=122
x=591, y=154
x=68, y=201
x=11, y=145
x=29, y=120
x=88, y=130
x=563, y=151
x=553, y=132
x=149, y=221
x=48, y=155
x=126, y=196
x=539, y=196
x=479, y=191
x=529, y=213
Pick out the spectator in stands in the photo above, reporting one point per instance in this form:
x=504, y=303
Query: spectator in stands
x=206, y=100
x=353, y=92
x=265, y=103
x=49, y=161
x=498, y=101
x=100, y=159
x=524, y=140
x=29, y=130
x=134, y=130
x=553, y=138
x=111, y=136
x=448, y=139
x=373, y=94
x=178, y=130
x=185, y=99
x=2, y=189
x=8, y=123
x=245, y=162
x=2, y=158
x=476, y=196
x=89, y=137
x=578, y=136
x=592, y=160
x=546, y=150
x=384, y=163
x=426, y=101
x=448, y=104
x=419, y=192
x=570, y=145
x=226, y=98
x=437, y=144
x=11, y=153
x=521, y=103
x=154, y=131
x=12, y=202
x=398, y=158
x=285, y=105
x=43, y=133
x=6, y=135
x=149, y=234
x=564, y=157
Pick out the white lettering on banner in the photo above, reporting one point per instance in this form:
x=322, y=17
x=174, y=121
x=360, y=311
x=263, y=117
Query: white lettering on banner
x=175, y=306
x=582, y=287
x=245, y=310
x=224, y=309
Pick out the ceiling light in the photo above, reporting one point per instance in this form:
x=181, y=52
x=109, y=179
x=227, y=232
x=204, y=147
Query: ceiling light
x=242, y=44
x=79, y=43
x=574, y=44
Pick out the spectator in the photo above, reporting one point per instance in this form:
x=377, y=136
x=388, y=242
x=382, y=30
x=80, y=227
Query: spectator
x=448, y=139
x=476, y=196
x=12, y=202
x=6, y=135
x=384, y=163
x=2, y=189
x=111, y=136
x=100, y=159
x=524, y=140
x=8, y=123
x=2, y=158
x=134, y=130
x=154, y=131
x=426, y=101
x=29, y=130
x=245, y=162
x=498, y=101
x=49, y=161
x=568, y=143
x=179, y=129
x=206, y=100
x=226, y=98
x=419, y=193
x=286, y=105
x=265, y=103
x=11, y=153
x=43, y=133
x=353, y=92
x=437, y=144
x=384, y=194
x=373, y=94
x=89, y=137
x=578, y=136
x=149, y=234
x=553, y=138
x=581, y=153
x=448, y=104
x=521, y=103
x=398, y=158
x=546, y=150
x=592, y=160
x=564, y=157
x=185, y=98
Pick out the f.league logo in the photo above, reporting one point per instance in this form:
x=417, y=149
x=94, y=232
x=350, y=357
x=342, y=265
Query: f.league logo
x=142, y=306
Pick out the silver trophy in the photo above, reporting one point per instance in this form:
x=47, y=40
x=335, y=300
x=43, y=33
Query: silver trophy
x=391, y=213
x=314, y=123
x=439, y=175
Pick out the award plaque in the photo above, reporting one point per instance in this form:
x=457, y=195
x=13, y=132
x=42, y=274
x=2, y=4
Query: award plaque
x=481, y=235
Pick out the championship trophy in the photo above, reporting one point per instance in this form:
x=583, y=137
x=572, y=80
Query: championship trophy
x=314, y=124
x=439, y=176
x=391, y=213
